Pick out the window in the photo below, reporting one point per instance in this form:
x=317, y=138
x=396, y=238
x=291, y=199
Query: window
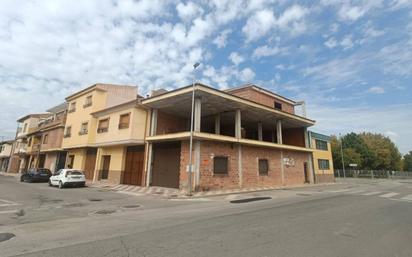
x=25, y=128
x=29, y=142
x=68, y=132
x=45, y=138
x=124, y=121
x=278, y=106
x=263, y=167
x=220, y=165
x=321, y=145
x=103, y=126
x=83, y=128
x=72, y=107
x=88, y=102
x=323, y=164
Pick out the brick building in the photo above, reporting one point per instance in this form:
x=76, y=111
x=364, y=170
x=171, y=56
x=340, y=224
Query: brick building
x=243, y=137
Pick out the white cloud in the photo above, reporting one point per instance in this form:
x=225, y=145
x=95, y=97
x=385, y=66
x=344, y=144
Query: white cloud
x=258, y=25
x=347, y=42
x=265, y=51
x=293, y=14
x=236, y=58
x=351, y=13
x=376, y=90
x=221, y=40
x=246, y=75
x=188, y=11
x=331, y=43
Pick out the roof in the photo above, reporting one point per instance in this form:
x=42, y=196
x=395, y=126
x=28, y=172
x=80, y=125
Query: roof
x=181, y=96
x=121, y=106
x=97, y=86
x=34, y=115
x=7, y=142
x=58, y=108
x=259, y=88
x=319, y=136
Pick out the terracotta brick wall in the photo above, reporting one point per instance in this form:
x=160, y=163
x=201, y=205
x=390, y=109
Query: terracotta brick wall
x=294, y=175
x=14, y=164
x=167, y=123
x=54, y=140
x=262, y=98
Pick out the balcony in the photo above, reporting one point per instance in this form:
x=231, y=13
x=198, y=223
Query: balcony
x=102, y=130
x=83, y=132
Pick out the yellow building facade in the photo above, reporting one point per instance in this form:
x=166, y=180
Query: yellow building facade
x=82, y=127
x=322, y=157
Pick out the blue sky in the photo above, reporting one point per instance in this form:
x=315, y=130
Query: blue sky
x=351, y=61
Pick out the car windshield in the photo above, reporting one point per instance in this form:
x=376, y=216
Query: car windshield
x=74, y=172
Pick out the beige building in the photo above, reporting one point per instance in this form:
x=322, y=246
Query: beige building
x=5, y=153
x=322, y=157
x=82, y=127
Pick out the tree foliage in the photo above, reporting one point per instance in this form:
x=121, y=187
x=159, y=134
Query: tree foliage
x=407, y=161
x=367, y=150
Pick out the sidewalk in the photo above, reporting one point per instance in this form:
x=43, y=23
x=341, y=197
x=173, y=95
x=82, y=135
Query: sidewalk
x=8, y=174
x=176, y=193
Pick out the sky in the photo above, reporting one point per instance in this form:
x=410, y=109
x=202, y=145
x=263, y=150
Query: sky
x=350, y=61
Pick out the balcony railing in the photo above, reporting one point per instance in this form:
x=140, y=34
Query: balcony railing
x=102, y=130
x=83, y=132
x=67, y=135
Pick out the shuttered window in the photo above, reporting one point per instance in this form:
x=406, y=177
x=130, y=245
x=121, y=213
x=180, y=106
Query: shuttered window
x=220, y=165
x=323, y=164
x=124, y=121
x=103, y=126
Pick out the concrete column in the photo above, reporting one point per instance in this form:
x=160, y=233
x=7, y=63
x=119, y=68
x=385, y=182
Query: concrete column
x=149, y=164
x=198, y=115
x=260, y=131
x=305, y=136
x=238, y=124
x=282, y=169
x=217, y=124
x=240, y=169
x=311, y=169
x=97, y=165
x=279, y=132
x=197, y=164
x=153, y=122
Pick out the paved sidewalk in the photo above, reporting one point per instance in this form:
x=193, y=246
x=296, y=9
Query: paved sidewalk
x=176, y=193
x=8, y=174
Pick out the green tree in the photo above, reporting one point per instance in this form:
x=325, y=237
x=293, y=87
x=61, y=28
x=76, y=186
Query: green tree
x=355, y=142
x=407, y=161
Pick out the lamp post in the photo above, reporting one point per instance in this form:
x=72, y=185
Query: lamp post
x=189, y=177
x=341, y=152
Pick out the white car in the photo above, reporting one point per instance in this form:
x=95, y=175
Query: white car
x=68, y=177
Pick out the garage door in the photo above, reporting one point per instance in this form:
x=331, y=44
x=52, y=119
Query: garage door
x=133, y=171
x=166, y=165
x=90, y=163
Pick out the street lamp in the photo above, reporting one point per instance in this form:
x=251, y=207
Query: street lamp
x=189, y=182
x=341, y=152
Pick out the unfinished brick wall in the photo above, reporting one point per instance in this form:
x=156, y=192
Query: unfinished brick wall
x=167, y=124
x=294, y=174
x=54, y=139
x=262, y=98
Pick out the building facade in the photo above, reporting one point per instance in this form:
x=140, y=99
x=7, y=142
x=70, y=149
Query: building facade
x=322, y=157
x=5, y=153
x=244, y=137
x=44, y=145
x=82, y=127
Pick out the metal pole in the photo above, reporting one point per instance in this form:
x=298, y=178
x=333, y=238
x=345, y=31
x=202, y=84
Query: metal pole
x=341, y=151
x=189, y=179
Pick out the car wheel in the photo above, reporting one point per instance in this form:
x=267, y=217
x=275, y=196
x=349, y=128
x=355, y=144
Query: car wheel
x=60, y=184
x=83, y=184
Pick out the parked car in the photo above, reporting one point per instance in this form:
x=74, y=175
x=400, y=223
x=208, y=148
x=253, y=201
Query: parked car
x=36, y=175
x=67, y=177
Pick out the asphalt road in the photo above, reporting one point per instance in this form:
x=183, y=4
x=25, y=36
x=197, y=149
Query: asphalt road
x=355, y=218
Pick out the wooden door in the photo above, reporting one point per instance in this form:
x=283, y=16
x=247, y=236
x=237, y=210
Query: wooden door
x=133, y=171
x=90, y=163
x=105, y=167
x=305, y=170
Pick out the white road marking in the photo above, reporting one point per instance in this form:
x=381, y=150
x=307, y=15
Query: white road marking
x=372, y=193
x=389, y=195
x=6, y=212
x=408, y=197
x=339, y=191
x=7, y=203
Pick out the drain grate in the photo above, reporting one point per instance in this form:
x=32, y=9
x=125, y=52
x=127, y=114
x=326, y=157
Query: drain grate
x=246, y=200
x=6, y=236
x=105, y=212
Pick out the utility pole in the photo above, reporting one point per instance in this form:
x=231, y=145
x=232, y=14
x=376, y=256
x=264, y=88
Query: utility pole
x=341, y=152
